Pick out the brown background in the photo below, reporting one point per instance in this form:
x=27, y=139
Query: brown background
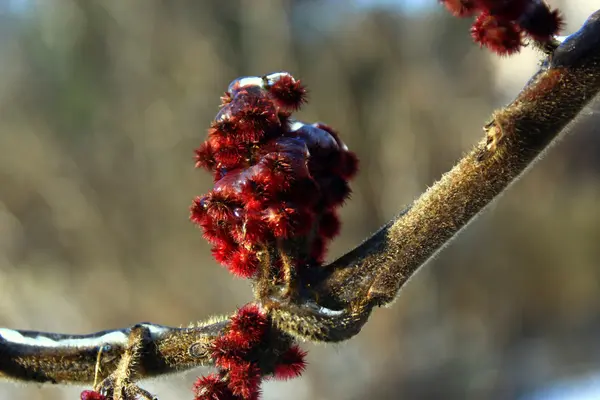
x=103, y=101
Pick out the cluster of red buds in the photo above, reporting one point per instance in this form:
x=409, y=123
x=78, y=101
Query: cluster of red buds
x=278, y=181
x=501, y=25
x=92, y=395
x=249, y=351
x=272, y=211
x=245, y=355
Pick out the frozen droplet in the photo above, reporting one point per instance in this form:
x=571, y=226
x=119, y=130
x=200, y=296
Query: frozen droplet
x=203, y=202
x=272, y=78
x=238, y=212
x=244, y=82
x=224, y=113
x=312, y=135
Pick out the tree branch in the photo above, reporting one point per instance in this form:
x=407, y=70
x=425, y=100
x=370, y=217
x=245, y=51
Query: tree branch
x=373, y=273
x=334, y=303
x=57, y=358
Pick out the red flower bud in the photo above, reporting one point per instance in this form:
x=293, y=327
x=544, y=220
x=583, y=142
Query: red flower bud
x=499, y=35
x=92, y=395
x=291, y=363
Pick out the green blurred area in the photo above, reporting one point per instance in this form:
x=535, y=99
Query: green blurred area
x=103, y=101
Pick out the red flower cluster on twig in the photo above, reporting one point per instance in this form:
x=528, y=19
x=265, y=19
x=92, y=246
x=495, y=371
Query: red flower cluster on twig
x=501, y=25
x=247, y=353
x=92, y=395
x=270, y=215
x=273, y=209
x=277, y=180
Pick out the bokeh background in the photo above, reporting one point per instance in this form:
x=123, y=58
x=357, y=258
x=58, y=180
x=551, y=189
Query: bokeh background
x=103, y=101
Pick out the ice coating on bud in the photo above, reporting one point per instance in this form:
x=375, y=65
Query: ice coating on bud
x=273, y=78
x=286, y=91
x=277, y=181
x=313, y=136
x=223, y=114
x=243, y=83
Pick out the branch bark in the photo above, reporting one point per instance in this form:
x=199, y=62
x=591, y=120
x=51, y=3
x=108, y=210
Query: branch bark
x=373, y=273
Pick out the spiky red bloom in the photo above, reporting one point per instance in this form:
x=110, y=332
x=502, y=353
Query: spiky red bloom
x=213, y=387
x=244, y=380
x=244, y=263
x=249, y=323
x=275, y=178
x=228, y=351
x=288, y=93
x=224, y=250
x=291, y=363
x=502, y=24
x=499, y=35
x=92, y=395
x=503, y=9
x=231, y=350
x=205, y=157
x=541, y=23
x=250, y=116
x=285, y=220
x=236, y=353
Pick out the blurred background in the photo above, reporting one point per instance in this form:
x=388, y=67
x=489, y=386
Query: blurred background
x=103, y=101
